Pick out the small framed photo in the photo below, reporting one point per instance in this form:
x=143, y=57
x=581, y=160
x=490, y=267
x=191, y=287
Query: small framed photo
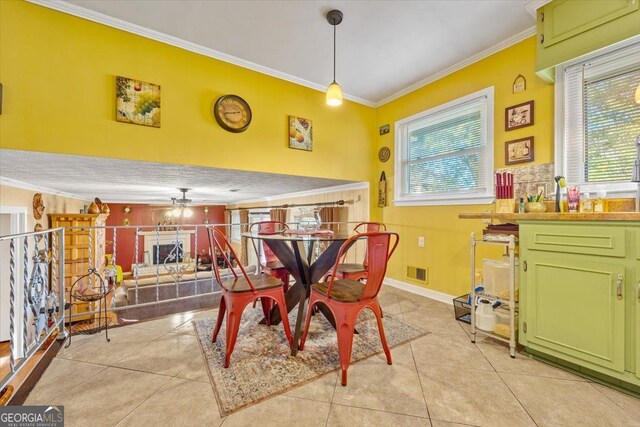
x=300, y=133
x=518, y=116
x=518, y=151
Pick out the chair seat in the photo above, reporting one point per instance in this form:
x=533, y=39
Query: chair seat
x=351, y=268
x=343, y=290
x=260, y=281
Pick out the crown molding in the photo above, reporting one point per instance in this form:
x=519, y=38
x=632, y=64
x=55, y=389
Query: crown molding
x=460, y=65
x=325, y=190
x=26, y=186
x=533, y=6
x=100, y=18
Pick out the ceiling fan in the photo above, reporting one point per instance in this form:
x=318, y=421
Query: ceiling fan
x=181, y=207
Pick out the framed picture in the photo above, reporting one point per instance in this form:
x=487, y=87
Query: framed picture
x=300, y=133
x=518, y=116
x=518, y=151
x=137, y=102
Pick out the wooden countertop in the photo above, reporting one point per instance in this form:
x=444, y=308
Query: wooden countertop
x=554, y=216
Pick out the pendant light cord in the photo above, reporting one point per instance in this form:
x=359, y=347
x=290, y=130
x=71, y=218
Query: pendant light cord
x=334, y=53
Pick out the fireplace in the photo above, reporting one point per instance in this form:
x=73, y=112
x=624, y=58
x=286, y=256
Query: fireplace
x=162, y=252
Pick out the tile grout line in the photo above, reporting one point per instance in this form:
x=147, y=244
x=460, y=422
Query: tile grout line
x=424, y=398
x=333, y=393
x=610, y=399
x=381, y=411
x=516, y=397
x=504, y=382
x=138, y=405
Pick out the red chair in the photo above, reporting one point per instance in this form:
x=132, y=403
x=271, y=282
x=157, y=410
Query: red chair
x=270, y=265
x=346, y=298
x=356, y=271
x=238, y=292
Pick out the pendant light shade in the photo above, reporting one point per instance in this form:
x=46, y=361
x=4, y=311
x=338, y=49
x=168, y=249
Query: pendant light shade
x=334, y=95
x=334, y=92
x=637, y=95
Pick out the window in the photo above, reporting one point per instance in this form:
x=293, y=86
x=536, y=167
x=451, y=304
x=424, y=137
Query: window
x=598, y=120
x=235, y=226
x=446, y=153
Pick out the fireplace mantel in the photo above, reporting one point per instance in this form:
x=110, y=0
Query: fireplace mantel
x=166, y=233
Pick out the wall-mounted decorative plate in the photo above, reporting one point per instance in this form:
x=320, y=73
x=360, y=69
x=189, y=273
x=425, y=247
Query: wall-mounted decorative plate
x=38, y=206
x=384, y=154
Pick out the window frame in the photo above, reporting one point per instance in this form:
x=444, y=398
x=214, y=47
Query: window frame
x=459, y=197
x=611, y=53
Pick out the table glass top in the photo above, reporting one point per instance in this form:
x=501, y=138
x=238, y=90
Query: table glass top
x=294, y=235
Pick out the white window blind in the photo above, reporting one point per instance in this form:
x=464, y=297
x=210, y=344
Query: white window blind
x=446, y=155
x=235, y=226
x=601, y=120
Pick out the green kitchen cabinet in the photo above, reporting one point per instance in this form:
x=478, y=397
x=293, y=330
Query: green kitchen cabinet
x=567, y=29
x=580, y=295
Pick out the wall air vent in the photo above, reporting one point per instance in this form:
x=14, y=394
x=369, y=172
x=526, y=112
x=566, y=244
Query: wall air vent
x=417, y=273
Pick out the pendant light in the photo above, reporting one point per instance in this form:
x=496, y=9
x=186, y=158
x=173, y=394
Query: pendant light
x=334, y=92
x=637, y=96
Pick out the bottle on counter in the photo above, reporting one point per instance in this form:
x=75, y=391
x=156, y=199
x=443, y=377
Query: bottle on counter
x=586, y=204
x=600, y=204
x=521, y=205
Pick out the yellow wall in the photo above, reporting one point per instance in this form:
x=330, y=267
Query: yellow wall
x=58, y=73
x=446, y=253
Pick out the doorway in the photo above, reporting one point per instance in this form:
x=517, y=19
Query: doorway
x=13, y=220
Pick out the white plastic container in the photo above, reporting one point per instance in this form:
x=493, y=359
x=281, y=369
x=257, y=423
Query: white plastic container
x=496, y=276
x=485, y=319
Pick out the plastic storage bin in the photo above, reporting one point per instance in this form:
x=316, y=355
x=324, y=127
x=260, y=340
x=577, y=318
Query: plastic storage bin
x=502, y=326
x=496, y=277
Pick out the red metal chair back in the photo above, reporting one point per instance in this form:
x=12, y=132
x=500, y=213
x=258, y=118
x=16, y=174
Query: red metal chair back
x=267, y=227
x=218, y=240
x=369, y=227
x=379, y=248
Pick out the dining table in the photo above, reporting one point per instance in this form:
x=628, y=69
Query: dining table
x=308, y=256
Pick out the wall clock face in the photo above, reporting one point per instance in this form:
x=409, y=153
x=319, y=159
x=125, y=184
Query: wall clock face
x=232, y=113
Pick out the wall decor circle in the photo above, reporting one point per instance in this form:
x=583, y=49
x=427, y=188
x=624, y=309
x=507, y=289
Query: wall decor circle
x=38, y=206
x=384, y=154
x=232, y=113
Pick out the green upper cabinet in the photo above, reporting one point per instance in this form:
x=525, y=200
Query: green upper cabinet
x=568, y=29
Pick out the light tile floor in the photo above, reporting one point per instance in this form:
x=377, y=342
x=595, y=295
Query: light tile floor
x=152, y=374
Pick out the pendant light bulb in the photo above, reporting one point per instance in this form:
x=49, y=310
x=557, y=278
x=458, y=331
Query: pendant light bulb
x=334, y=95
x=334, y=91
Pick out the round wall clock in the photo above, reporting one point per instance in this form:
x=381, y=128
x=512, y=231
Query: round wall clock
x=384, y=154
x=232, y=113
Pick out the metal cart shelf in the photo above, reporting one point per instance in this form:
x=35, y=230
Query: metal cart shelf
x=510, y=249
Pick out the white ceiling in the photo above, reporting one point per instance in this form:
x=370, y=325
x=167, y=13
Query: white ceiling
x=127, y=181
x=384, y=47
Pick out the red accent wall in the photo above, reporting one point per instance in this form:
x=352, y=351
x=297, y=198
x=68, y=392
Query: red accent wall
x=151, y=215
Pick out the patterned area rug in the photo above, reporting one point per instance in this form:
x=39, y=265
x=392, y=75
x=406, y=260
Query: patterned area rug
x=261, y=363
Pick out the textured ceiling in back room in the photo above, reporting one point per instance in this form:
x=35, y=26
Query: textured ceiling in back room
x=129, y=181
x=383, y=47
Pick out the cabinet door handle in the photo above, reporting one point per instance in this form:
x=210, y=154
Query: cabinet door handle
x=524, y=265
x=619, y=286
x=638, y=290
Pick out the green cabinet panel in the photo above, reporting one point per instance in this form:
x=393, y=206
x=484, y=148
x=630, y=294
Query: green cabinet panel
x=636, y=323
x=580, y=296
x=568, y=29
x=563, y=19
x=578, y=239
x=573, y=308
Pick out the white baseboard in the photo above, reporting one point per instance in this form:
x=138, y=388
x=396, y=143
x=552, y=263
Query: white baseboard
x=419, y=290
